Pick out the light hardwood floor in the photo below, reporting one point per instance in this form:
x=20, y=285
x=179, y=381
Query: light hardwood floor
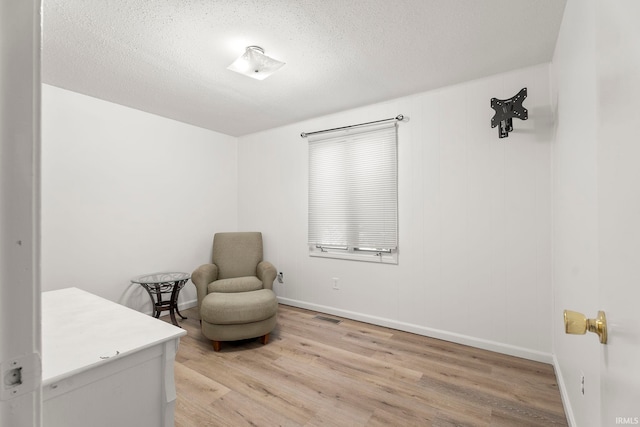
x=316, y=373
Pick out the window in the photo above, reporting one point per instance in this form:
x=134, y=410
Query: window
x=353, y=193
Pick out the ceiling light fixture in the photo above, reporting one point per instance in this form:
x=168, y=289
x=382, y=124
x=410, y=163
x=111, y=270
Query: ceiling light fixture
x=255, y=64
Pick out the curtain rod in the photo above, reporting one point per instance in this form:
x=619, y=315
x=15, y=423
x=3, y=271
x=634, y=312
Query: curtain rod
x=398, y=118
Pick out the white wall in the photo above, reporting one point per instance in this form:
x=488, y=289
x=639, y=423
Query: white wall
x=475, y=219
x=125, y=193
x=19, y=211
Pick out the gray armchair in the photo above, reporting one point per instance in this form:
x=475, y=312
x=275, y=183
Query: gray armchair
x=235, y=292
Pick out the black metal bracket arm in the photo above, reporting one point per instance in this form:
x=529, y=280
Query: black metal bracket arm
x=506, y=110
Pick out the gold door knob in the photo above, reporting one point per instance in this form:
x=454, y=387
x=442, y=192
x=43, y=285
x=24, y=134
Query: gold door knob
x=577, y=323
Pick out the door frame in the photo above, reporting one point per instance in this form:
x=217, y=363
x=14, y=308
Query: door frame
x=20, y=337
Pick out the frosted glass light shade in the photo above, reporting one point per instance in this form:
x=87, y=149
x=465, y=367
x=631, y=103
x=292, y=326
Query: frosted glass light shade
x=255, y=64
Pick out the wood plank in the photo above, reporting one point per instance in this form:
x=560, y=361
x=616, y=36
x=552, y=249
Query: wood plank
x=197, y=387
x=317, y=373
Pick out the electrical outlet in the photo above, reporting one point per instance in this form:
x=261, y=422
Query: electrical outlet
x=336, y=283
x=582, y=383
x=280, y=277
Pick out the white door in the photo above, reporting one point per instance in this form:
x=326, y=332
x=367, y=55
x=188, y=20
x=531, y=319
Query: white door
x=20, y=399
x=618, y=53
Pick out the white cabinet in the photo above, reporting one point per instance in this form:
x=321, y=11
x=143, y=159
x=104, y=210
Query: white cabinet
x=104, y=364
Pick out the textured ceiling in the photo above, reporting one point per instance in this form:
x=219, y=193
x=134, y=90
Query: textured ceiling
x=170, y=57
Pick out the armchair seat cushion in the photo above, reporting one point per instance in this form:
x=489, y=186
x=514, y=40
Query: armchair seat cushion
x=225, y=308
x=236, y=284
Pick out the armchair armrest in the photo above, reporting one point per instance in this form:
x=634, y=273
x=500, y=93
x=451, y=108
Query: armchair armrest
x=266, y=272
x=201, y=277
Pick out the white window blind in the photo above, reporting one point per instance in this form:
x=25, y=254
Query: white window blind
x=353, y=193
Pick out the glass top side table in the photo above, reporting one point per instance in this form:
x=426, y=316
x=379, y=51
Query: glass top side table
x=159, y=284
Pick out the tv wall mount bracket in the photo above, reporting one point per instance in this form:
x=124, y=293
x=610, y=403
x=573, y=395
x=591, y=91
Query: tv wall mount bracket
x=506, y=110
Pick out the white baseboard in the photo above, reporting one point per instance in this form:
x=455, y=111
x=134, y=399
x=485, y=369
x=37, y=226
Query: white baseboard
x=568, y=410
x=498, y=347
x=187, y=304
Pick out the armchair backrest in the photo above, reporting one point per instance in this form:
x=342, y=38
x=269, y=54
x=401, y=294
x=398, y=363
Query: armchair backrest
x=237, y=254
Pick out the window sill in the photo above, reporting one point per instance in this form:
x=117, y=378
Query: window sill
x=391, y=258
